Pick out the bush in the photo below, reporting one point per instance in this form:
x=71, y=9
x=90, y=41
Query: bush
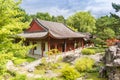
x=20, y=77
x=69, y=73
x=53, y=52
x=2, y=69
x=84, y=64
x=87, y=51
x=5, y=57
x=46, y=79
x=98, y=49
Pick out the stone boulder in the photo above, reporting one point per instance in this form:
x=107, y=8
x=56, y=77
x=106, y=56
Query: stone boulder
x=111, y=60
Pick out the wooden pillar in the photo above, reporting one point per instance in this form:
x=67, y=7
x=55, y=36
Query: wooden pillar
x=48, y=43
x=42, y=52
x=82, y=43
x=65, y=43
x=32, y=49
x=55, y=45
x=42, y=48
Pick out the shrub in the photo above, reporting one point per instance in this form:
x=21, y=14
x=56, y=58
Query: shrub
x=2, y=69
x=69, y=73
x=53, y=52
x=87, y=51
x=46, y=78
x=5, y=57
x=20, y=77
x=97, y=49
x=84, y=64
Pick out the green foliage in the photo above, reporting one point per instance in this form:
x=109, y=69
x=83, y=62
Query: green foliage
x=12, y=73
x=46, y=78
x=58, y=19
x=5, y=57
x=53, y=52
x=87, y=51
x=84, y=64
x=94, y=76
x=48, y=17
x=116, y=7
x=82, y=21
x=106, y=27
x=97, y=49
x=19, y=61
x=20, y=77
x=44, y=61
x=10, y=26
x=29, y=59
x=69, y=73
x=2, y=69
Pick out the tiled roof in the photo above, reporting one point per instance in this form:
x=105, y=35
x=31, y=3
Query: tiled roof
x=34, y=35
x=55, y=29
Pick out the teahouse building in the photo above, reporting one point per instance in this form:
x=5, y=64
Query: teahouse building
x=51, y=35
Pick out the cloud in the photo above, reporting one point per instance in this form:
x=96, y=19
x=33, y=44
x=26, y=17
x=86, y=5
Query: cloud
x=68, y=7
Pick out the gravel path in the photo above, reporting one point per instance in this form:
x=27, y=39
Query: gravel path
x=35, y=63
x=32, y=65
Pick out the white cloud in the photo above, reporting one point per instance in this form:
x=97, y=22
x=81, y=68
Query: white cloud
x=68, y=7
x=52, y=11
x=101, y=7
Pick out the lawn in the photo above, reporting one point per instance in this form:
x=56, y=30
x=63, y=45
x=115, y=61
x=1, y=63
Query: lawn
x=94, y=76
x=18, y=61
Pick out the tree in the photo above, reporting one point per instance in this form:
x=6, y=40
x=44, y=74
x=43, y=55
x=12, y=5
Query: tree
x=116, y=7
x=10, y=26
x=104, y=29
x=60, y=19
x=42, y=16
x=82, y=21
x=116, y=26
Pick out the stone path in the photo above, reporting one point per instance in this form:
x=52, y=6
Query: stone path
x=35, y=63
x=31, y=66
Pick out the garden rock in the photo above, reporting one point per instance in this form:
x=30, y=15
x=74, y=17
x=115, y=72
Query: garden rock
x=111, y=60
x=48, y=72
x=31, y=69
x=24, y=64
x=69, y=58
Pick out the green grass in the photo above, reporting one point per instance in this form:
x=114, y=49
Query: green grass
x=18, y=61
x=97, y=49
x=94, y=76
x=29, y=59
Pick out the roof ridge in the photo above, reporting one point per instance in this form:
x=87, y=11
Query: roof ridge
x=41, y=24
x=49, y=21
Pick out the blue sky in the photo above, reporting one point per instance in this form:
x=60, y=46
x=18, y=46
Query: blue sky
x=68, y=7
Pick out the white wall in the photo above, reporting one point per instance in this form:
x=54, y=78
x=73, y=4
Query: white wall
x=38, y=48
x=46, y=48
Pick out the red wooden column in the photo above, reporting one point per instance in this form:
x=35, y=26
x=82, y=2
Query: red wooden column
x=48, y=43
x=32, y=49
x=55, y=44
x=42, y=47
x=82, y=43
x=65, y=43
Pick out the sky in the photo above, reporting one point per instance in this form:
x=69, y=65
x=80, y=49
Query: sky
x=69, y=7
